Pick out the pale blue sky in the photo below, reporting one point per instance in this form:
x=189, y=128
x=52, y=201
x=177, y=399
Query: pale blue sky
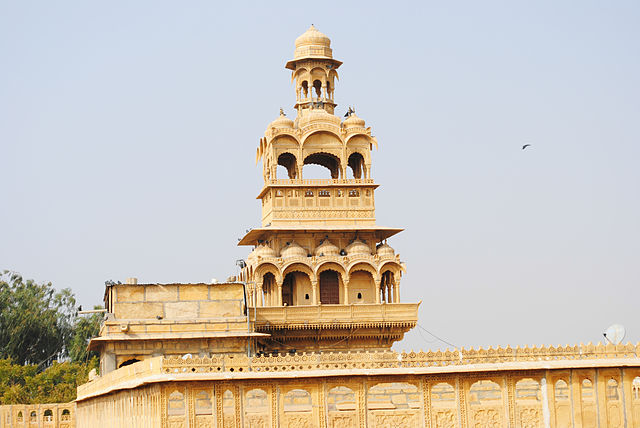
x=116, y=118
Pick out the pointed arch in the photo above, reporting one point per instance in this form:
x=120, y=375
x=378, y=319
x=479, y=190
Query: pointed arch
x=364, y=266
x=331, y=266
x=265, y=268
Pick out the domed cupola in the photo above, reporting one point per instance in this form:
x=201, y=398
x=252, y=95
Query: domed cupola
x=384, y=250
x=265, y=251
x=353, y=121
x=313, y=44
x=281, y=122
x=358, y=247
x=326, y=248
x=292, y=251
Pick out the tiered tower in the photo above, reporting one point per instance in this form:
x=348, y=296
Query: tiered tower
x=321, y=275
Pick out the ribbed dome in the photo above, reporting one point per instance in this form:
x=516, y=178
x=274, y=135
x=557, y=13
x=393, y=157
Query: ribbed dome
x=314, y=116
x=326, y=248
x=312, y=37
x=385, y=250
x=357, y=247
x=282, y=122
x=265, y=251
x=293, y=250
x=353, y=121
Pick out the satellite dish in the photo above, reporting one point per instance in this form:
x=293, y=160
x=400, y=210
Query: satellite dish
x=615, y=334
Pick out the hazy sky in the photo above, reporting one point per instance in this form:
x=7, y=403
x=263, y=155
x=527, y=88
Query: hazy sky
x=128, y=133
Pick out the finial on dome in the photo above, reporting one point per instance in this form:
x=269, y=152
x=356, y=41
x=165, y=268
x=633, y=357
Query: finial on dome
x=282, y=113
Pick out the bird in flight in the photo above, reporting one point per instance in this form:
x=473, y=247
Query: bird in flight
x=525, y=146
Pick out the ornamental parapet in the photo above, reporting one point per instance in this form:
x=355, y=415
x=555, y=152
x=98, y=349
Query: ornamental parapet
x=226, y=366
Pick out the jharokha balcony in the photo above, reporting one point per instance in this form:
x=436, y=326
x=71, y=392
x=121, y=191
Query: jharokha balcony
x=335, y=316
x=334, y=327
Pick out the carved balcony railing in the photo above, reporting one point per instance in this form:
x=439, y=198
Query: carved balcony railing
x=319, y=182
x=335, y=316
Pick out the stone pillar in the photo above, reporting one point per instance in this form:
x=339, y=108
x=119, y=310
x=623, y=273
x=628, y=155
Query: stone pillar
x=396, y=291
x=346, y=292
x=279, y=296
x=377, y=281
x=259, y=301
x=314, y=292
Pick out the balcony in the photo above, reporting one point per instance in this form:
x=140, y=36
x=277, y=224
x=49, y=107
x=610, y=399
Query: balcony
x=403, y=315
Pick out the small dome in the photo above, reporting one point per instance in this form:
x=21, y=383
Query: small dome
x=282, y=122
x=326, y=248
x=313, y=37
x=385, y=250
x=265, y=251
x=314, y=116
x=358, y=247
x=353, y=121
x=293, y=250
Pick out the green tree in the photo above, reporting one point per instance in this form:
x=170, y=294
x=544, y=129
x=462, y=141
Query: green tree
x=36, y=322
x=83, y=330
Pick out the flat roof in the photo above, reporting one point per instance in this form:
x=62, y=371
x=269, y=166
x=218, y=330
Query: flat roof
x=262, y=233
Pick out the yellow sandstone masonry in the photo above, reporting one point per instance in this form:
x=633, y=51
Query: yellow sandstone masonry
x=302, y=337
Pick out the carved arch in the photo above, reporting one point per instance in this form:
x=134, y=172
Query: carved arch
x=364, y=266
x=326, y=130
x=298, y=266
x=392, y=266
x=265, y=268
x=331, y=266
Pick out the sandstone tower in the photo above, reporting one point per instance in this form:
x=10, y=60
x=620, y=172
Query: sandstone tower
x=321, y=275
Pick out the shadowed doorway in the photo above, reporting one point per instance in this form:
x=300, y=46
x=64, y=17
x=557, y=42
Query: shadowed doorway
x=329, y=288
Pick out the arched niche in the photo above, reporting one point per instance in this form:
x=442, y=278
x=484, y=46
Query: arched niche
x=587, y=391
x=613, y=390
x=485, y=392
x=296, y=287
x=203, y=403
x=443, y=392
x=635, y=389
x=393, y=396
x=298, y=401
x=362, y=286
x=341, y=399
x=528, y=389
x=228, y=406
x=256, y=401
x=176, y=404
x=561, y=390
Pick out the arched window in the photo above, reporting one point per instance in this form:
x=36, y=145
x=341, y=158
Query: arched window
x=288, y=161
x=317, y=86
x=175, y=404
x=561, y=390
x=48, y=415
x=356, y=163
x=298, y=400
x=66, y=415
x=128, y=362
x=612, y=390
x=386, y=287
x=341, y=399
x=20, y=417
x=268, y=290
x=586, y=390
x=329, y=161
x=33, y=417
x=305, y=89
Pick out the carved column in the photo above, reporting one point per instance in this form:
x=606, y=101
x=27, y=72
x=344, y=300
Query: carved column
x=346, y=292
x=378, y=281
x=279, y=296
x=396, y=291
x=259, y=294
x=314, y=292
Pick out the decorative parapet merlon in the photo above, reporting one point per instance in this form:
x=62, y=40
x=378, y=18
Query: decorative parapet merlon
x=402, y=315
x=388, y=359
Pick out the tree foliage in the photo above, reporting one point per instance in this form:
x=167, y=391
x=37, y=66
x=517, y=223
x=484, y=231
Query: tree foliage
x=43, y=342
x=25, y=384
